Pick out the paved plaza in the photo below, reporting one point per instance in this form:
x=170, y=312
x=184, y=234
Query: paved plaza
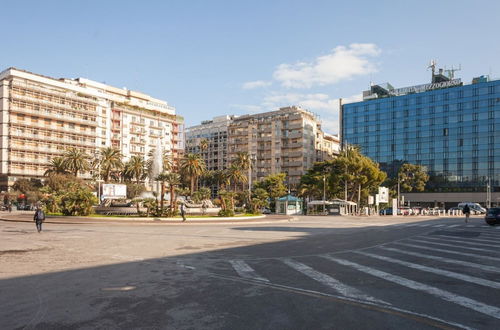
x=274, y=273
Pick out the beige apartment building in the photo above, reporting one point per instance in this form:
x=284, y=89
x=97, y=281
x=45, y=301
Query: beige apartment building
x=41, y=117
x=288, y=140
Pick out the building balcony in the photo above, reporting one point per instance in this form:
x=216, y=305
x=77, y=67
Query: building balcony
x=61, y=94
x=52, y=115
x=51, y=104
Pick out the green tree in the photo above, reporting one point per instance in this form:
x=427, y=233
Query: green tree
x=259, y=200
x=192, y=166
x=274, y=185
x=26, y=185
x=78, y=201
x=412, y=177
x=201, y=195
x=110, y=160
x=75, y=161
x=359, y=174
x=135, y=168
x=56, y=166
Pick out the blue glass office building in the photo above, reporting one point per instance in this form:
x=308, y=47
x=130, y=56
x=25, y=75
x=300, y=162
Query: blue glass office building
x=451, y=128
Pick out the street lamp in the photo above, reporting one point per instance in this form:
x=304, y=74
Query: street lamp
x=252, y=159
x=324, y=194
x=399, y=179
x=98, y=180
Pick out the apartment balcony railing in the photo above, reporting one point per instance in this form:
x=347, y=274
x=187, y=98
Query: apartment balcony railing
x=52, y=115
x=61, y=94
x=51, y=103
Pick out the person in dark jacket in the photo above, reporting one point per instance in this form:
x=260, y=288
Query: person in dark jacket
x=39, y=218
x=466, y=211
x=183, y=212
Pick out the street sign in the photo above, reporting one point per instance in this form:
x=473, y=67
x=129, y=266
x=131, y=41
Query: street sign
x=370, y=200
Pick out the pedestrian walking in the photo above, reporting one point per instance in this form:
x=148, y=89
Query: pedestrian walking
x=204, y=207
x=466, y=211
x=39, y=218
x=183, y=212
x=10, y=207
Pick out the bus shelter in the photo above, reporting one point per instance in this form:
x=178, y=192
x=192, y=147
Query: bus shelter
x=333, y=207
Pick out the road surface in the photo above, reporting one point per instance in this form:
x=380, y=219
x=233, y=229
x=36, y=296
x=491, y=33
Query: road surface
x=309, y=273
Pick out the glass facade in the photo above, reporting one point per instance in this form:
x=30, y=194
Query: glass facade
x=454, y=132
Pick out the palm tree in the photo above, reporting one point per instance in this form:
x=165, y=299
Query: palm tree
x=56, y=166
x=110, y=161
x=135, y=168
x=76, y=161
x=192, y=166
x=235, y=175
x=204, y=145
x=162, y=177
x=244, y=162
x=173, y=180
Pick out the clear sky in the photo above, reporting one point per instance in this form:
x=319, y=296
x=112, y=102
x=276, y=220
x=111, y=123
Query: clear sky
x=210, y=58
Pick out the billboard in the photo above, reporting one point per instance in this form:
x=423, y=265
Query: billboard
x=383, y=195
x=114, y=191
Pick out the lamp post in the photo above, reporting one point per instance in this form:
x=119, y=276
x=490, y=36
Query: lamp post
x=252, y=159
x=324, y=194
x=397, y=206
x=98, y=180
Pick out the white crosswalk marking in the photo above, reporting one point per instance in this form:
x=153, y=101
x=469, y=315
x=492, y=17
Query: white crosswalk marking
x=245, y=271
x=442, y=294
x=329, y=281
x=458, y=276
x=484, y=240
x=475, y=255
x=453, y=226
x=451, y=245
x=447, y=260
x=452, y=239
x=436, y=226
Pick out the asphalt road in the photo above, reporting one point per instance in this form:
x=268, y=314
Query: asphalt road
x=311, y=273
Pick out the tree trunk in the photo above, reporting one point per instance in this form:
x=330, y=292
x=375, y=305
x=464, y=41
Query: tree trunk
x=162, y=197
x=192, y=184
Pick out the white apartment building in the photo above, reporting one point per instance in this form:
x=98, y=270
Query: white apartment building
x=215, y=133
x=41, y=117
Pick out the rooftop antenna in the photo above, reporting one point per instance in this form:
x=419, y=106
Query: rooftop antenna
x=432, y=65
x=451, y=72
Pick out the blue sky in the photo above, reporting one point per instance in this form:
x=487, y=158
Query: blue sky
x=210, y=58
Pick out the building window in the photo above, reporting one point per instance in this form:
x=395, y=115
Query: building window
x=445, y=132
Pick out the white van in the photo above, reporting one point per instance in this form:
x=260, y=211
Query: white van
x=475, y=208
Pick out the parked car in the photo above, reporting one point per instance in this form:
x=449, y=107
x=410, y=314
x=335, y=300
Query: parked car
x=265, y=210
x=475, y=208
x=492, y=216
x=386, y=211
